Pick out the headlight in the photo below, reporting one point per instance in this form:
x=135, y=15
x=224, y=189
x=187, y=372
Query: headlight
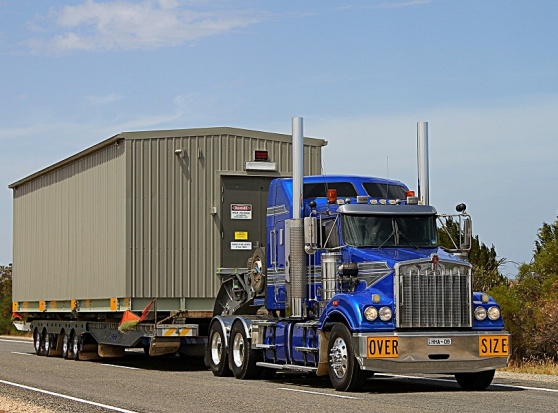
x=480, y=313
x=385, y=313
x=494, y=313
x=370, y=313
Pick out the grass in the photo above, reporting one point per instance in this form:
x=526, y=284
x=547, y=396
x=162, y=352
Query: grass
x=549, y=367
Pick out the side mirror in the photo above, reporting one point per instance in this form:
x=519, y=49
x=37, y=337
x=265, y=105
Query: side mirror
x=310, y=234
x=466, y=235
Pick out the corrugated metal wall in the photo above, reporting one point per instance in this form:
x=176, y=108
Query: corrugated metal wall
x=69, y=241
x=175, y=241
x=133, y=219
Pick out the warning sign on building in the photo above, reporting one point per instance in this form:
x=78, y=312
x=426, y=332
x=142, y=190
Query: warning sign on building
x=237, y=245
x=241, y=211
x=241, y=235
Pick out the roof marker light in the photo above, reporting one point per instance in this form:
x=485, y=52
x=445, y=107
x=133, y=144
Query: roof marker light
x=332, y=196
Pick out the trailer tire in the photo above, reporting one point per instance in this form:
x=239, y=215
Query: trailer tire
x=66, y=346
x=242, y=357
x=38, y=342
x=475, y=381
x=217, y=351
x=75, y=344
x=49, y=341
x=344, y=372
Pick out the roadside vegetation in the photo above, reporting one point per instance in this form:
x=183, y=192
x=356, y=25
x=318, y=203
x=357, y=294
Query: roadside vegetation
x=6, y=326
x=529, y=303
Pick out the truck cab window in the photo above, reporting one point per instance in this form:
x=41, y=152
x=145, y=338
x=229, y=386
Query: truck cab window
x=389, y=231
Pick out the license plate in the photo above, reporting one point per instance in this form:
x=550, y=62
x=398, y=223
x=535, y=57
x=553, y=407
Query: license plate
x=382, y=347
x=439, y=341
x=494, y=346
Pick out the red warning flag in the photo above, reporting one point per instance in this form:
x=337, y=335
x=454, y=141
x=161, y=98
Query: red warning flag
x=130, y=320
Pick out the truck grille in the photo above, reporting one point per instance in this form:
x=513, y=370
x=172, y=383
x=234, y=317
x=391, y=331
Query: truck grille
x=433, y=295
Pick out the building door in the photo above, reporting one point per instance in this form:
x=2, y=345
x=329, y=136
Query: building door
x=243, y=212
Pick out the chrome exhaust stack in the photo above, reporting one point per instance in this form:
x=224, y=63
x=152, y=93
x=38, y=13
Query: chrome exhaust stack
x=422, y=164
x=295, y=255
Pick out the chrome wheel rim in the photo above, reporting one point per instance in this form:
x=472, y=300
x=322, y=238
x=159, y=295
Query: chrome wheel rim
x=238, y=350
x=216, y=349
x=338, y=358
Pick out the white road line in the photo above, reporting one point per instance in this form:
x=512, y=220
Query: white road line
x=23, y=354
x=16, y=341
x=120, y=367
x=75, y=399
x=320, y=394
x=513, y=386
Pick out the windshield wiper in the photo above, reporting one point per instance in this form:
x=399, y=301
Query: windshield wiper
x=394, y=234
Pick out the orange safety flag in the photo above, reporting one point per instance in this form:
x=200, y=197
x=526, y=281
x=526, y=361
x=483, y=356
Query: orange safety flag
x=130, y=320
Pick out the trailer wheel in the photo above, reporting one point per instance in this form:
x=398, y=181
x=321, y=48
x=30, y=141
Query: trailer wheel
x=38, y=342
x=475, y=381
x=66, y=346
x=75, y=346
x=217, y=351
x=49, y=341
x=344, y=372
x=243, y=358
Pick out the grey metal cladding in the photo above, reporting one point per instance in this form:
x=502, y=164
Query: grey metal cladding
x=69, y=237
x=175, y=248
x=129, y=217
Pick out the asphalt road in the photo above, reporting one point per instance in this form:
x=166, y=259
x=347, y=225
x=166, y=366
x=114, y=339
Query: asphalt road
x=138, y=383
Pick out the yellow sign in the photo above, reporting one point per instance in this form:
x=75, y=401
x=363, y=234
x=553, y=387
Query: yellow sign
x=494, y=346
x=241, y=235
x=382, y=347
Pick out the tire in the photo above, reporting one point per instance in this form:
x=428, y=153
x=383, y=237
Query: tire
x=75, y=346
x=50, y=340
x=38, y=342
x=217, y=351
x=257, y=267
x=242, y=357
x=66, y=346
x=344, y=372
x=475, y=381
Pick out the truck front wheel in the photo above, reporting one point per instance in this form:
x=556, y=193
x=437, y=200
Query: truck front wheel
x=475, y=381
x=217, y=351
x=344, y=372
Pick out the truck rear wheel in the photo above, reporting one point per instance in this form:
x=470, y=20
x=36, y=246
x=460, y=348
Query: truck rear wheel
x=344, y=372
x=475, y=381
x=243, y=358
x=217, y=351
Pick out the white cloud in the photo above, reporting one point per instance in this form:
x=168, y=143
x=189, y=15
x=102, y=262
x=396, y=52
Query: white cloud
x=128, y=25
x=103, y=100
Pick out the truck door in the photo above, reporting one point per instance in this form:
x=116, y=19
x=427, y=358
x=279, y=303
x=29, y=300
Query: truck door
x=243, y=212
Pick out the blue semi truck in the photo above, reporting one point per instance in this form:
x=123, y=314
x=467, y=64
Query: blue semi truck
x=352, y=281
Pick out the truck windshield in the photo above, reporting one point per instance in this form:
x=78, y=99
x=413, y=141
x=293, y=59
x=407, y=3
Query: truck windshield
x=390, y=231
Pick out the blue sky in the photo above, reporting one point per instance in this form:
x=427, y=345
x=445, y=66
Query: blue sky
x=484, y=74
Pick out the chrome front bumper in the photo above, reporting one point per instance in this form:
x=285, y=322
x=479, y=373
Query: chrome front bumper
x=415, y=355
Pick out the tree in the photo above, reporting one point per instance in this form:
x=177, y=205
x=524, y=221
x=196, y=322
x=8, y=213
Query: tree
x=485, y=262
x=5, y=299
x=530, y=308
